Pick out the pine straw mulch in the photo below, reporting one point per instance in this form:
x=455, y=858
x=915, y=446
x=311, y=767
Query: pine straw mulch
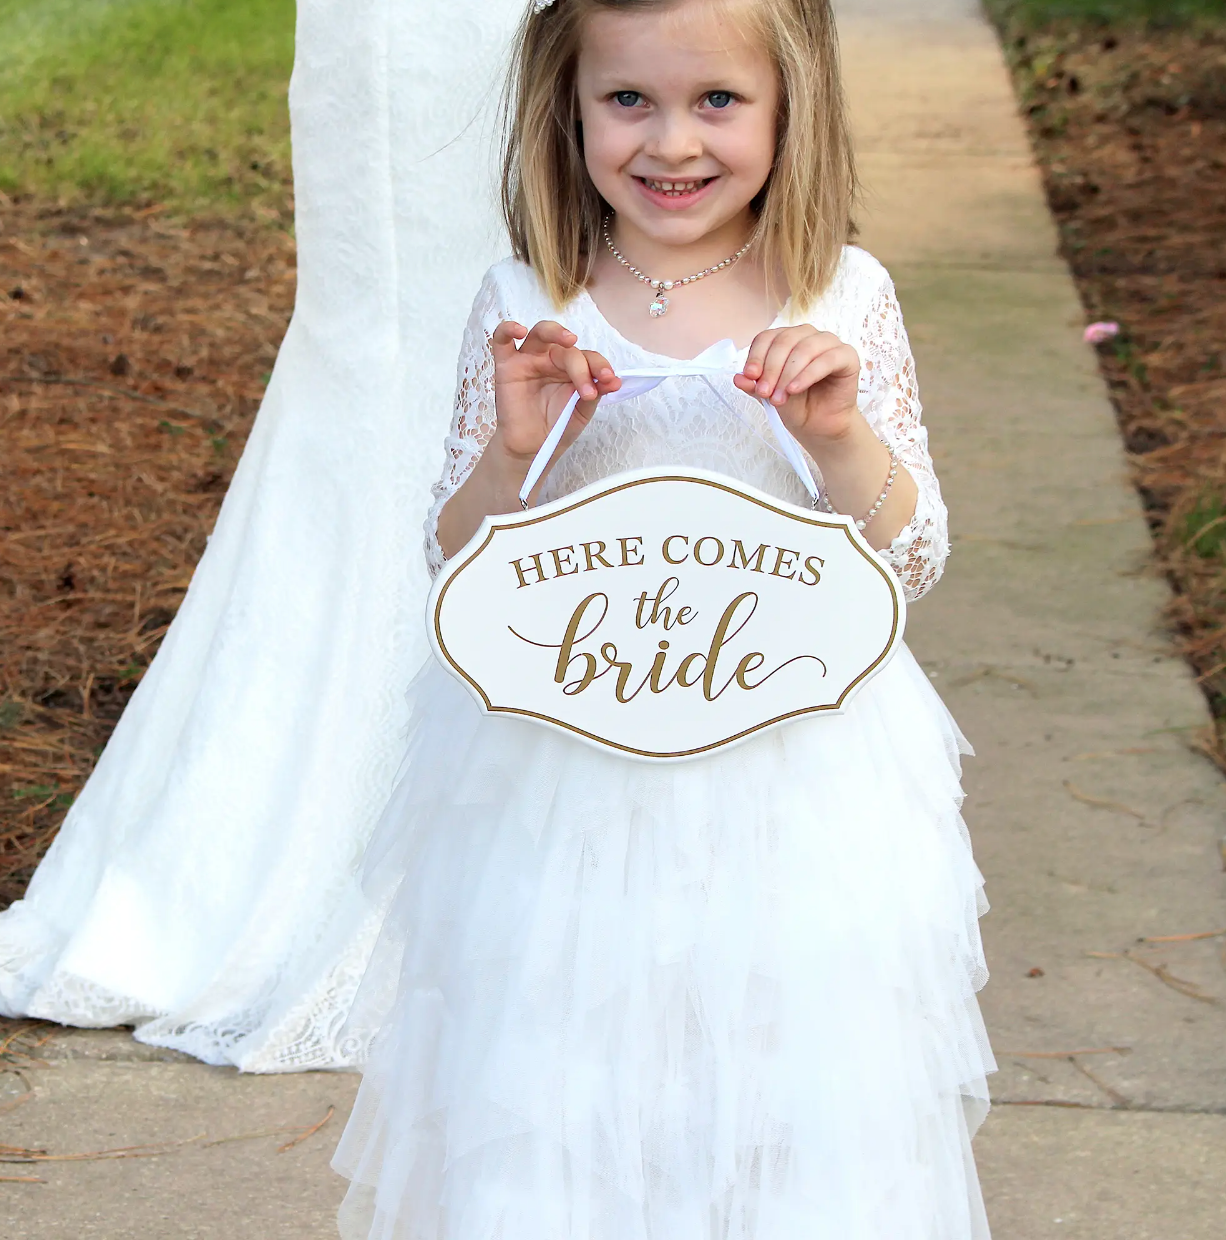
x=133, y=356
x=1130, y=129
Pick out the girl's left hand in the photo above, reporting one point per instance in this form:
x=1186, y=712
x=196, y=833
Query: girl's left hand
x=811, y=377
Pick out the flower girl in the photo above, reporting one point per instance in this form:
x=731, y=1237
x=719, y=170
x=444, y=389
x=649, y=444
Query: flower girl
x=734, y=998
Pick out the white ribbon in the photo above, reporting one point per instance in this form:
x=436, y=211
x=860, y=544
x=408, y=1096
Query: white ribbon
x=719, y=361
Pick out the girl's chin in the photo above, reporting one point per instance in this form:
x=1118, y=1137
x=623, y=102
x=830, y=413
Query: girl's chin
x=672, y=229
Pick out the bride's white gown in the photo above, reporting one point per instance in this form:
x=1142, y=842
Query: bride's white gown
x=203, y=887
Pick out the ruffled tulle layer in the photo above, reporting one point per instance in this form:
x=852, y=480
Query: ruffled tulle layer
x=732, y=999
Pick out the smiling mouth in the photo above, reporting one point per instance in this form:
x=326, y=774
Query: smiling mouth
x=675, y=189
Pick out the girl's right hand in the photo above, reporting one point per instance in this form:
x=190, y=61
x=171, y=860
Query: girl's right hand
x=533, y=383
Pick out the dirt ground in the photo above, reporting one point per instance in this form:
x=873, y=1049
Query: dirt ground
x=133, y=356
x=1131, y=132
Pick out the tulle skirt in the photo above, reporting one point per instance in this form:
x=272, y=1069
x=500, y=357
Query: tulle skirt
x=731, y=999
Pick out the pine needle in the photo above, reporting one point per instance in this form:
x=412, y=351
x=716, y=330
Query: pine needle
x=1098, y=1050
x=1100, y=802
x=127, y=1151
x=1188, y=989
x=310, y=1132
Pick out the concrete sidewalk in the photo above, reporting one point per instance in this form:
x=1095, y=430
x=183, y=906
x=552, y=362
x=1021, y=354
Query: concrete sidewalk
x=219, y=1175
x=1093, y=821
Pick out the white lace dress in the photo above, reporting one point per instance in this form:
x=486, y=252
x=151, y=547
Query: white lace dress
x=204, y=885
x=731, y=999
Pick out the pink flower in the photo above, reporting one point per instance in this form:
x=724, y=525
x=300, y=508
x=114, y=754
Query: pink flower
x=1100, y=333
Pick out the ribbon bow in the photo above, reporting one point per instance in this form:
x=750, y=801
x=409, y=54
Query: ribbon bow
x=719, y=361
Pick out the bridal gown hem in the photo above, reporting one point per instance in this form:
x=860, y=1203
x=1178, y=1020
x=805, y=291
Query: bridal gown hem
x=204, y=886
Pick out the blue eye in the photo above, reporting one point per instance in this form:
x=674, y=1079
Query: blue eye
x=627, y=98
x=721, y=98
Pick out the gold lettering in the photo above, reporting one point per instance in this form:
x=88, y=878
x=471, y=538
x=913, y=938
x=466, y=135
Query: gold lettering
x=660, y=614
x=739, y=553
x=609, y=651
x=657, y=670
x=566, y=655
x=577, y=670
x=817, y=575
x=591, y=555
x=563, y=566
x=628, y=551
x=672, y=538
x=719, y=555
x=780, y=552
x=724, y=633
x=640, y=621
x=537, y=566
x=684, y=679
x=750, y=663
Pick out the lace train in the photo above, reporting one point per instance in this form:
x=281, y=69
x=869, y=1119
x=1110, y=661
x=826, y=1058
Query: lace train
x=204, y=885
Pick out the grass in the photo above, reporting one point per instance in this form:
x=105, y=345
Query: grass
x=1204, y=528
x=138, y=102
x=1023, y=15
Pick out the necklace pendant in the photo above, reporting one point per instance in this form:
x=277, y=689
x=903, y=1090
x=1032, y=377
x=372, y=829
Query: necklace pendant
x=659, y=307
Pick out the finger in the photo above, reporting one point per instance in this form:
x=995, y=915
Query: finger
x=841, y=360
x=546, y=335
x=799, y=360
x=745, y=384
x=602, y=372
x=605, y=381
x=573, y=364
x=502, y=342
x=846, y=361
x=598, y=364
x=757, y=352
x=776, y=358
x=818, y=369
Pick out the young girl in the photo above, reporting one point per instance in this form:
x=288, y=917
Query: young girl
x=731, y=999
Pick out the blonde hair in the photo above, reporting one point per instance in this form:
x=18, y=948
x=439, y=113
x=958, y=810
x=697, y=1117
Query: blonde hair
x=553, y=211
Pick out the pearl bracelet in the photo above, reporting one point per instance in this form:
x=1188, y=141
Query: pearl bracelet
x=862, y=524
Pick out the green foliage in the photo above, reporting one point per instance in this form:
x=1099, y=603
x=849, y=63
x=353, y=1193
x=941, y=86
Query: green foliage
x=1205, y=527
x=179, y=102
x=49, y=795
x=1021, y=15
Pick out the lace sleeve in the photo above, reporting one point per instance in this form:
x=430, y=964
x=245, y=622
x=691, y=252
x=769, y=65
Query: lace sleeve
x=472, y=425
x=890, y=402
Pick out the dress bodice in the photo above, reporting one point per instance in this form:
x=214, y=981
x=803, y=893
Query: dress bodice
x=704, y=422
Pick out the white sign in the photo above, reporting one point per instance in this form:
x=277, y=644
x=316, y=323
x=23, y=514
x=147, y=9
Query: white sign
x=665, y=615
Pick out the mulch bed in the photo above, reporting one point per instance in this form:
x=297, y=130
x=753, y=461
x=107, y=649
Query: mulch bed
x=1130, y=129
x=133, y=356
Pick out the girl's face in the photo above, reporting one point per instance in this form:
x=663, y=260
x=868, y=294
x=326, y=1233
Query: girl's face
x=679, y=108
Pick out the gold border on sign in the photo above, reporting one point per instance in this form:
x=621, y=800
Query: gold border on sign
x=802, y=517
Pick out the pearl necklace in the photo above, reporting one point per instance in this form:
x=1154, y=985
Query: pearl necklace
x=660, y=303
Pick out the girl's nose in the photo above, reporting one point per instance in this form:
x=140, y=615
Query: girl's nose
x=674, y=140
